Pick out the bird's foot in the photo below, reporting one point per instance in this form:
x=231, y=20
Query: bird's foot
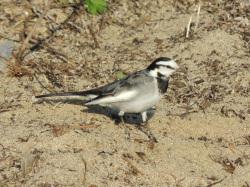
x=127, y=132
x=121, y=123
x=147, y=131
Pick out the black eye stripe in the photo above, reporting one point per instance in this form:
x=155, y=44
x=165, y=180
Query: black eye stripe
x=169, y=67
x=166, y=66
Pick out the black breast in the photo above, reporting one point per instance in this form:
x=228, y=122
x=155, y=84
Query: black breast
x=162, y=85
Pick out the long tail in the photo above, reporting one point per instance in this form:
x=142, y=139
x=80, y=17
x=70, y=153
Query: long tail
x=81, y=93
x=64, y=96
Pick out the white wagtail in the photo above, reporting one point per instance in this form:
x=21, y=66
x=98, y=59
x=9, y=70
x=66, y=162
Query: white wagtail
x=136, y=93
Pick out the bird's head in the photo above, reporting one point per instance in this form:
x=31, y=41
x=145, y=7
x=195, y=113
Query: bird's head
x=162, y=67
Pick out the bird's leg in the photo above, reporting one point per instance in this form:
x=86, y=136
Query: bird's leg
x=121, y=114
x=144, y=117
x=145, y=128
x=147, y=131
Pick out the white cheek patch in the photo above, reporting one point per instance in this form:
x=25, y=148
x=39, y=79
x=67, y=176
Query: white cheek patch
x=162, y=70
x=165, y=71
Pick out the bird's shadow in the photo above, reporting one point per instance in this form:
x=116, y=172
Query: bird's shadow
x=130, y=118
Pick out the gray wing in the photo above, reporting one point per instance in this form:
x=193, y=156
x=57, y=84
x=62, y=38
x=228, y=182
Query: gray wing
x=123, y=89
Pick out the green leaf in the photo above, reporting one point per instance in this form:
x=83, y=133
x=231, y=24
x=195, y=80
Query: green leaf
x=96, y=6
x=120, y=75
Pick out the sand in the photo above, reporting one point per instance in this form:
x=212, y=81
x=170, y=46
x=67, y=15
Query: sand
x=202, y=124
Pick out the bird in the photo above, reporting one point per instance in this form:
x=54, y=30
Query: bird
x=135, y=93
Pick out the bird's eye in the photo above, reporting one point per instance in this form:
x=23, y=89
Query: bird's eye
x=169, y=67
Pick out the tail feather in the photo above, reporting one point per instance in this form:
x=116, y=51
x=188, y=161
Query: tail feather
x=82, y=93
x=86, y=95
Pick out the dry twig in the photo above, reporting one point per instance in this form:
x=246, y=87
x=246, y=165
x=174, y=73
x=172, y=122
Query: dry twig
x=20, y=54
x=94, y=37
x=41, y=42
x=188, y=27
x=217, y=182
x=197, y=18
x=85, y=171
x=135, y=170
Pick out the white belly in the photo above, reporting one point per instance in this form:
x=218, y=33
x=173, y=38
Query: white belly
x=136, y=100
x=139, y=104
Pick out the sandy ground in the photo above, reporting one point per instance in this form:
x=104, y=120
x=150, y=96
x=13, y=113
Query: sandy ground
x=202, y=124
